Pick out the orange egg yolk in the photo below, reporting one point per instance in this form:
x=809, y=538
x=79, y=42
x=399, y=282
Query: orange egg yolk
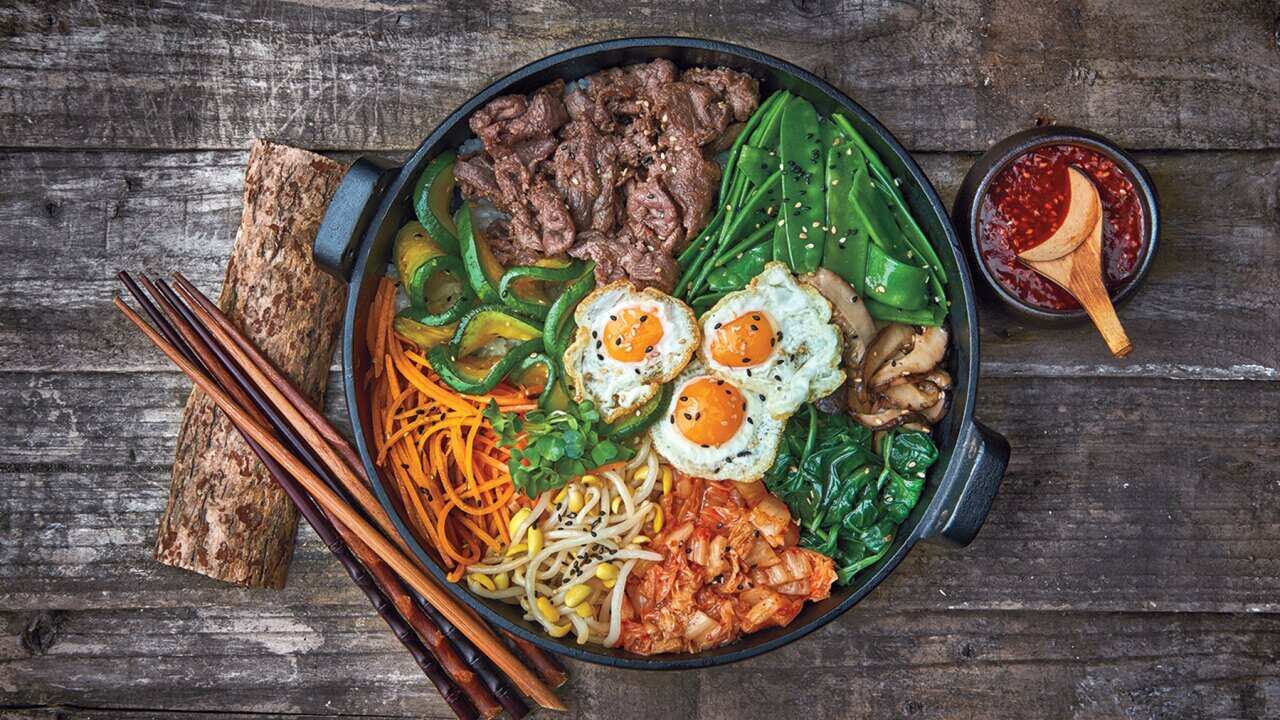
x=745, y=341
x=709, y=411
x=631, y=333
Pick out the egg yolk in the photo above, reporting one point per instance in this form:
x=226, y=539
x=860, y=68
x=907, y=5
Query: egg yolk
x=745, y=341
x=631, y=333
x=709, y=411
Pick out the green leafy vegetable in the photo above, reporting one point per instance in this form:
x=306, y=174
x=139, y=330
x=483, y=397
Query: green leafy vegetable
x=848, y=500
x=550, y=447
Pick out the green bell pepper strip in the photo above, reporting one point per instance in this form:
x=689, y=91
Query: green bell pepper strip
x=474, y=259
x=552, y=369
x=418, y=311
x=533, y=308
x=895, y=283
x=738, y=273
x=486, y=323
x=445, y=365
x=432, y=194
x=640, y=420
x=803, y=195
x=557, y=331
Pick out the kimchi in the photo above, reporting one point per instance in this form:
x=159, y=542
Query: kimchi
x=730, y=566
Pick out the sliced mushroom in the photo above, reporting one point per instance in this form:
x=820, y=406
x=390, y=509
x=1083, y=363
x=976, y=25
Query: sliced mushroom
x=927, y=349
x=884, y=419
x=848, y=311
x=934, y=413
x=915, y=396
x=890, y=343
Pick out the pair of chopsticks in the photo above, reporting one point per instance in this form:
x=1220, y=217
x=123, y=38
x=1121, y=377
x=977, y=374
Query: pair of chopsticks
x=324, y=478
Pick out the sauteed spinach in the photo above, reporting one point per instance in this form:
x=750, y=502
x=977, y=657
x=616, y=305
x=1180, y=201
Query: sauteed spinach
x=848, y=498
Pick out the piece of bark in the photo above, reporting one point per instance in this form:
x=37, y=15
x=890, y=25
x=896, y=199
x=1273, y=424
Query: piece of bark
x=226, y=517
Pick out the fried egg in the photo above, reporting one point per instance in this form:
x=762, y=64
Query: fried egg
x=774, y=338
x=628, y=343
x=714, y=429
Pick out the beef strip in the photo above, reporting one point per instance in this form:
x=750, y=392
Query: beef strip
x=617, y=171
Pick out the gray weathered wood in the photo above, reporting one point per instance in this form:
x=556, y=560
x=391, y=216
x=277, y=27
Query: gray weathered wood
x=943, y=75
x=94, y=213
x=871, y=663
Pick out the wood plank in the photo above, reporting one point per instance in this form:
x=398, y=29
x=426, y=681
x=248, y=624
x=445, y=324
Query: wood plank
x=342, y=74
x=872, y=663
x=1123, y=494
x=1205, y=312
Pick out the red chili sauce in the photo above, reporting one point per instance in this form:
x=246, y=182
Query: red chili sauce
x=1027, y=202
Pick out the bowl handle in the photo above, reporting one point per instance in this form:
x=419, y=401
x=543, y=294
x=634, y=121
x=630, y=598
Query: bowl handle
x=966, y=509
x=344, y=221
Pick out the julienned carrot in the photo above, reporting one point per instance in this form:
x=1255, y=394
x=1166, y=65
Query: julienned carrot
x=449, y=470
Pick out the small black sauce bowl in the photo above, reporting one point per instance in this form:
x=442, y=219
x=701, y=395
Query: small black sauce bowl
x=968, y=204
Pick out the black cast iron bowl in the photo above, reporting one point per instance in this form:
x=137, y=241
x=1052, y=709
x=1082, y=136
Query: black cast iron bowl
x=373, y=201
x=967, y=213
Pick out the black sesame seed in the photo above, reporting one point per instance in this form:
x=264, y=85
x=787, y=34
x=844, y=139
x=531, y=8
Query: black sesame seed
x=649, y=349
x=687, y=416
x=613, y=317
x=748, y=372
x=684, y=398
x=746, y=359
x=755, y=328
x=717, y=327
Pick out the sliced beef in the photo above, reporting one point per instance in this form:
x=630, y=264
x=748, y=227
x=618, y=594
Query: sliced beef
x=741, y=90
x=615, y=259
x=475, y=176
x=588, y=173
x=692, y=115
x=653, y=216
x=511, y=121
x=692, y=181
x=617, y=170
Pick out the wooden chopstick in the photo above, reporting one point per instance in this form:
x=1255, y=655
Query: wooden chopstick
x=548, y=667
x=329, y=501
x=168, y=318
x=483, y=693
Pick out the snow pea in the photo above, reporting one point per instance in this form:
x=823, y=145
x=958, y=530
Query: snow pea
x=895, y=283
x=804, y=200
x=846, y=241
x=736, y=274
x=778, y=98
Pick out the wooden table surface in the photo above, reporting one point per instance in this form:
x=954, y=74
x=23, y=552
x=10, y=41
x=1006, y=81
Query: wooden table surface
x=1129, y=569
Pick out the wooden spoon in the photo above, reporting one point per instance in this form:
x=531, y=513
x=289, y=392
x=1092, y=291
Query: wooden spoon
x=1072, y=258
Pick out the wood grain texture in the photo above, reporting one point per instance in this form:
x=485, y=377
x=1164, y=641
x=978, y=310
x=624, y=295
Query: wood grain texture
x=226, y=517
x=871, y=663
x=94, y=212
x=341, y=74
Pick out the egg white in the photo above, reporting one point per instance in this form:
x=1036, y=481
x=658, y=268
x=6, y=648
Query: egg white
x=744, y=457
x=616, y=386
x=804, y=364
